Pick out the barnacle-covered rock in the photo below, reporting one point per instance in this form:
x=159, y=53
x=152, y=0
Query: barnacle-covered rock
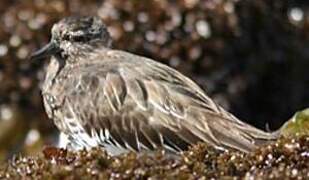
x=288, y=158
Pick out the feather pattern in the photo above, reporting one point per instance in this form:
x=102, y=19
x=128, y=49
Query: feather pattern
x=114, y=98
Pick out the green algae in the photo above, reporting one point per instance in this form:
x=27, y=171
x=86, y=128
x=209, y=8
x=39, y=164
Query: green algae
x=298, y=125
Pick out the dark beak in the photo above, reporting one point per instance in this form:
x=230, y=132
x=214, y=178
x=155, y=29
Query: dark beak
x=49, y=49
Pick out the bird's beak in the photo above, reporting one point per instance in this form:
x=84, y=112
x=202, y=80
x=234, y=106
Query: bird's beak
x=49, y=49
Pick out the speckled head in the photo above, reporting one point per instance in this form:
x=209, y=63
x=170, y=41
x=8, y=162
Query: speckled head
x=73, y=34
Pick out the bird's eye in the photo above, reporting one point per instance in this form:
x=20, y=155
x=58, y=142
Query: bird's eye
x=80, y=38
x=66, y=37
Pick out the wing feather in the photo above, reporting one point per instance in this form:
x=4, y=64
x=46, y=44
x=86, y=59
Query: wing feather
x=144, y=104
x=114, y=90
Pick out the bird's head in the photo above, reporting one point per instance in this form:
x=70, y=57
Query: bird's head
x=73, y=34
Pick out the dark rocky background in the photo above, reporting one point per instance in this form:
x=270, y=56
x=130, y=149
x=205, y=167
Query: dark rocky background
x=252, y=57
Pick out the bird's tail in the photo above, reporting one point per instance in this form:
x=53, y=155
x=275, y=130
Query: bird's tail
x=229, y=132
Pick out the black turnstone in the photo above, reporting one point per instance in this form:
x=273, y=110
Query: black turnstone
x=98, y=96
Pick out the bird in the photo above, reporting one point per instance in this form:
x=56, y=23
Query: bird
x=98, y=96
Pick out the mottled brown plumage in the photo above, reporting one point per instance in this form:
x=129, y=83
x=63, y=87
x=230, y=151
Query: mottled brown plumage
x=103, y=97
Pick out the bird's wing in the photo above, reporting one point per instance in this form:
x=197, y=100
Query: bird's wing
x=137, y=103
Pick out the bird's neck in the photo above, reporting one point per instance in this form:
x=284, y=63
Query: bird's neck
x=73, y=55
x=77, y=53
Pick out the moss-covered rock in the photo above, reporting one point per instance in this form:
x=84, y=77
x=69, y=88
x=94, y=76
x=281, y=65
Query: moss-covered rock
x=298, y=125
